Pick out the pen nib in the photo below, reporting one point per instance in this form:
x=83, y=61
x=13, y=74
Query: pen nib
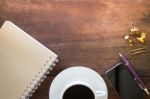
x=146, y=90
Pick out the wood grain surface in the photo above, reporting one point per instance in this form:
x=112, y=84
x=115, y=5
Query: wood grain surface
x=83, y=32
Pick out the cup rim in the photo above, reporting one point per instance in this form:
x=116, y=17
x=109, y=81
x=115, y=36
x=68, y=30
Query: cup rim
x=74, y=83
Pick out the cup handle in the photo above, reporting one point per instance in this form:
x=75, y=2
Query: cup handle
x=100, y=94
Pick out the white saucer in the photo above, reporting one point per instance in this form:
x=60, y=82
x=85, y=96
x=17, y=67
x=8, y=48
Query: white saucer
x=75, y=75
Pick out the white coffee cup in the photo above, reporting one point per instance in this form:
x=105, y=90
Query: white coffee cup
x=78, y=75
x=97, y=93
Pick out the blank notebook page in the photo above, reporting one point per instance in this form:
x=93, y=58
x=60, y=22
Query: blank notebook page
x=21, y=59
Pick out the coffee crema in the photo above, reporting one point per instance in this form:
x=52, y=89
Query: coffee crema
x=78, y=92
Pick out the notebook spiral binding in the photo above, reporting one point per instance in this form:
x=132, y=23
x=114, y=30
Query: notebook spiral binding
x=38, y=79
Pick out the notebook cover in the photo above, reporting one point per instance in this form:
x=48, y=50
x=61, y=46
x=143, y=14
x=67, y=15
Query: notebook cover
x=23, y=61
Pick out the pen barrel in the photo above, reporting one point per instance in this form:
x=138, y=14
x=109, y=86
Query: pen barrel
x=135, y=75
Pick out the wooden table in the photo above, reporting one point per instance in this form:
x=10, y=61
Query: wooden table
x=83, y=32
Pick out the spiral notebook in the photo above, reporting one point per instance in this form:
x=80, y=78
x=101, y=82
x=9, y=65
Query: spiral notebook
x=24, y=62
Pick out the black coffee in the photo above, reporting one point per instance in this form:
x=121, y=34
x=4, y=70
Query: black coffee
x=78, y=92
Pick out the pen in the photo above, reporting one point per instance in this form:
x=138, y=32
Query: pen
x=134, y=74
